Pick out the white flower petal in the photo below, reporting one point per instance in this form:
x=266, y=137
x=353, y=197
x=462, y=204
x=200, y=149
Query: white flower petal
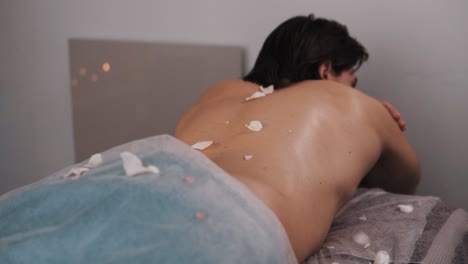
x=76, y=173
x=134, y=166
x=267, y=90
x=95, y=161
x=202, y=145
x=363, y=218
x=382, y=257
x=248, y=157
x=255, y=125
x=361, y=238
x=255, y=96
x=406, y=208
x=152, y=169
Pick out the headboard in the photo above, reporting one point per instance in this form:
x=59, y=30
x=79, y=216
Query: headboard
x=122, y=91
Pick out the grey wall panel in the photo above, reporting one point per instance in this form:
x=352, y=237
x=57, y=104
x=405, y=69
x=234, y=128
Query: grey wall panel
x=145, y=92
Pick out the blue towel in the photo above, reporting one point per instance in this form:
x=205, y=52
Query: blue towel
x=191, y=212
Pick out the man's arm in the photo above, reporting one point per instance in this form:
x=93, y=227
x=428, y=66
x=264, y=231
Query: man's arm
x=395, y=114
x=397, y=169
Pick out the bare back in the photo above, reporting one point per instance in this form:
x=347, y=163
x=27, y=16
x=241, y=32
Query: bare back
x=316, y=145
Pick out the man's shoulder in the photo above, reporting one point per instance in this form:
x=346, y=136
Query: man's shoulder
x=235, y=84
x=333, y=90
x=321, y=86
x=229, y=87
x=351, y=100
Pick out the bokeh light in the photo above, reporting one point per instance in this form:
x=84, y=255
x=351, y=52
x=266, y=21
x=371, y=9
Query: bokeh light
x=106, y=67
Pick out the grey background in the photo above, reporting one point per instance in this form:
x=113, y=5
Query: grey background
x=418, y=63
x=147, y=90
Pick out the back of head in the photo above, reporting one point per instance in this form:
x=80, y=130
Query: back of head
x=294, y=51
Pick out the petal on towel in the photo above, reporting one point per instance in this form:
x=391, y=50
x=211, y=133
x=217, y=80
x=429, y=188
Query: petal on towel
x=406, y=208
x=382, y=257
x=255, y=125
x=189, y=179
x=76, y=173
x=95, y=161
x=363, y=218
x=134, y=166
x=202, y=145
x=201, y=215
x=361, y=238
x=267, y=90
x=152, y=169
x=255, y=96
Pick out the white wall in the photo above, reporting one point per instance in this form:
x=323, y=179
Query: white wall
x=418, y=62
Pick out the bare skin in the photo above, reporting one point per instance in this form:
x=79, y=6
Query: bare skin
x=319, y=140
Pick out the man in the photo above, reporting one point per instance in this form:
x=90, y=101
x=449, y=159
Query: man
x=319, y=137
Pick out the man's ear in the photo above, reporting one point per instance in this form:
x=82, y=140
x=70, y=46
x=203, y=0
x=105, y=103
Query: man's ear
x=324, y=70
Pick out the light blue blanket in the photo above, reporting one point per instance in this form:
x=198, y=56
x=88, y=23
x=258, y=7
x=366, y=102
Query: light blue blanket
x=191, y=212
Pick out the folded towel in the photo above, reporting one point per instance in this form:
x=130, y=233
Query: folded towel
x=182, y=209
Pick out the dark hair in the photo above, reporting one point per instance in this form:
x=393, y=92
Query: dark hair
x=294, y=51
